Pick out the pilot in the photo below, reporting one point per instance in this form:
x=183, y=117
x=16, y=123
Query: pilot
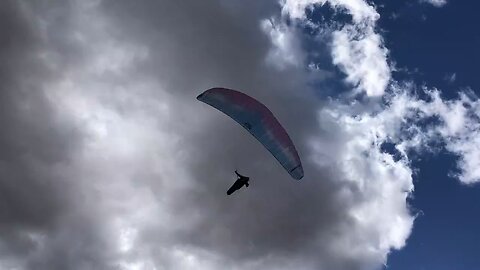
x=241, y=181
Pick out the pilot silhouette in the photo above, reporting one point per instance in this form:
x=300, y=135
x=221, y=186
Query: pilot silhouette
x=241, y=180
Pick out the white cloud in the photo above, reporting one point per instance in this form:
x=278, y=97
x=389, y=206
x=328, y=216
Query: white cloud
x=356, y=49
x=381, y=211
x=363, y=58
x=436, y=3
x=286, y=49
x=374, y=183
x=451, y=78
x=359, y=9
x=460, y=130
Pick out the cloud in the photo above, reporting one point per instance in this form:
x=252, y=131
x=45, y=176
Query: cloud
x=436, y=3
x=356, y=48
x=451, y=78
x=109, y=162
x=148, y=165
x=286, y=48
x=459, y=130
x=454, y=123
x=40, y=191
x=362, y=59
x=360, y=10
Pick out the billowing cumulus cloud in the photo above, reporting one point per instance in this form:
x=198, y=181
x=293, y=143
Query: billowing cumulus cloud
x=457, y=126
x=109, y=162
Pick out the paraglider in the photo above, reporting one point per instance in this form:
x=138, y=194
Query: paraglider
x=257, y=119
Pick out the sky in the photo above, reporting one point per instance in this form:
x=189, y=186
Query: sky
x=108, y=161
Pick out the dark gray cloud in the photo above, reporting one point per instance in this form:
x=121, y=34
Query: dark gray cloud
x=33, y=139
x=210, y=44
x=109, y=162
x=40, y=223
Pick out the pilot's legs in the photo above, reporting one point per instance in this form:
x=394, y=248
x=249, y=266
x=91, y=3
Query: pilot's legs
x=236, y=186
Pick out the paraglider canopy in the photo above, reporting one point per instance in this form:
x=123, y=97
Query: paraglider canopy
x=260, y=122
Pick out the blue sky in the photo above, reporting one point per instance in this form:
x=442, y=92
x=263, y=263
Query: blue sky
x=439, y=42
x=445, y=234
